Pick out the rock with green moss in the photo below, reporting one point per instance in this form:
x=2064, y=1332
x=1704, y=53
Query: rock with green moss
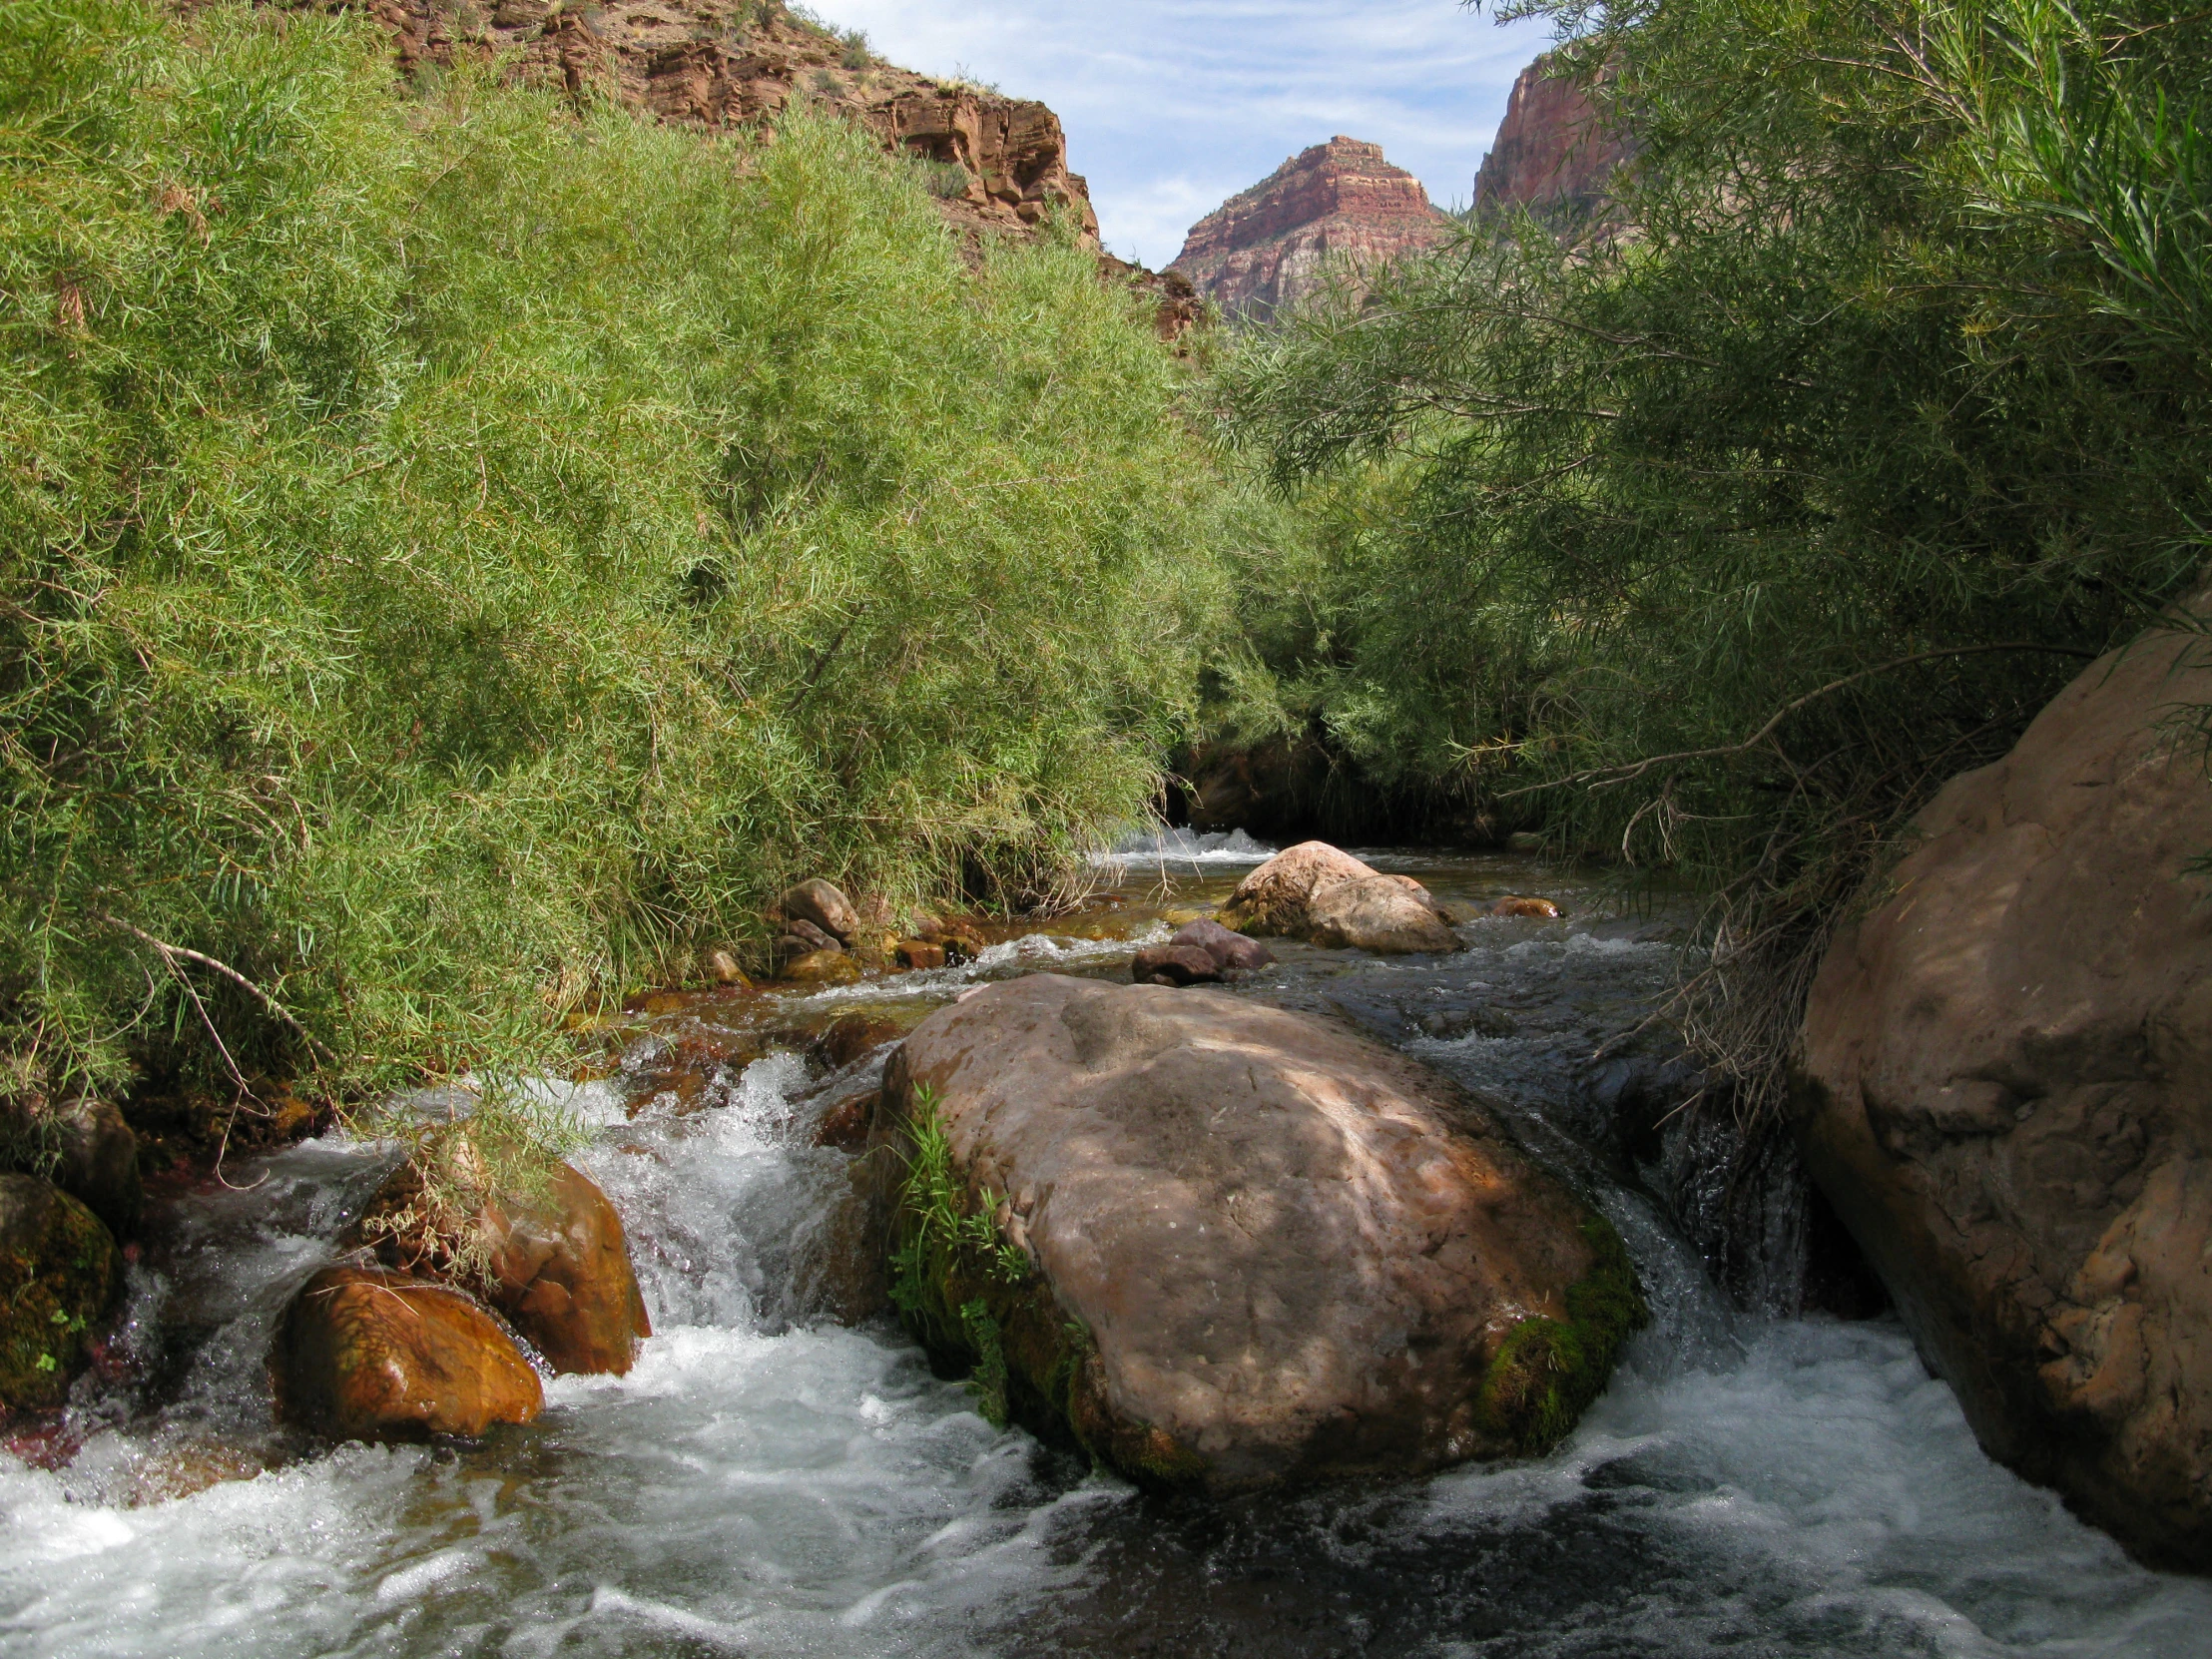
x=59, y=1272
x=1221, y=1246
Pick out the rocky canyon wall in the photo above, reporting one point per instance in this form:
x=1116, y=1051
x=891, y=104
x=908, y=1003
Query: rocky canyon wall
x=1551, y=155
x=997, y=163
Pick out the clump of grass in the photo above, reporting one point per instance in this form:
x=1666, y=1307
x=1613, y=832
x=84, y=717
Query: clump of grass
x=458, y=1171
x=946, y=1246
x=460, y=555
x=946, y=181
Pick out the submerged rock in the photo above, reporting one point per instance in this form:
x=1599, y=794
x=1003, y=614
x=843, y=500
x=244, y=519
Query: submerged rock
x=85, y=1147
x=1230, y=950
x=1314, y=892
x=2006, y=1092
x=367, y=1353
x=1224, y=1246
x=59, y=1272
x=1174, y=964
x=820, y=967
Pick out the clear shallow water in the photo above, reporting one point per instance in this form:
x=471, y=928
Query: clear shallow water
x=767, y=1482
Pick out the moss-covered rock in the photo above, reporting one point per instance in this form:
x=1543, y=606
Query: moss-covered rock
x=59, y=1272
x=1547, y=1371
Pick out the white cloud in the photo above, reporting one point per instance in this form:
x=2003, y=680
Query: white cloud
x=1173, y=105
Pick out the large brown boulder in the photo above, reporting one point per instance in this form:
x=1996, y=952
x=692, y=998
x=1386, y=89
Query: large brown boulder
x=1225, y=1246
x=2006, y=1091
x=59, y=1272
x=1314, y=892
x=85, y=1147
x=365, y=1353
x=548, y=1253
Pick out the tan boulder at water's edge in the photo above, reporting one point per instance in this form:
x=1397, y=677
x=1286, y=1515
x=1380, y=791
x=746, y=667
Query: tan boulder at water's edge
x=365, y=1353
x=817, y=904
x=1380, y=914
x=1314, y=892
x=2006, y=1091
x=1261, y=1247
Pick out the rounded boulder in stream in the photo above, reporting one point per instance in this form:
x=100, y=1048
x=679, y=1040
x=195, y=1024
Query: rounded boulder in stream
x=1224, y=1247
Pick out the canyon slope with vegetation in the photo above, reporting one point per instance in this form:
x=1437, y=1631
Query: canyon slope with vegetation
x=467, y=548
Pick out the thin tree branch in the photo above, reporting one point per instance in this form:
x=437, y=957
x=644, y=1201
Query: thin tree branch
x=171, y=952
x=1636, y=768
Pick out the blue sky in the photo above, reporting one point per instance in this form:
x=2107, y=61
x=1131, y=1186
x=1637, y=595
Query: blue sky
x=1171, y=105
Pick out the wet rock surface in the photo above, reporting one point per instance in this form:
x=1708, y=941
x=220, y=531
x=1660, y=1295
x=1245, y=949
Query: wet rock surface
x=554, y=1261
x=1288, y=1253
x=371, y=1354
x=2006, y=1092
x=59, y=1273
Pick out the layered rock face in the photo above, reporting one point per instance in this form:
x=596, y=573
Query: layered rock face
x=999, y=163
x=1233, y=1246
x=1550, y=155
x=1337, y=204
x=2006, y=1093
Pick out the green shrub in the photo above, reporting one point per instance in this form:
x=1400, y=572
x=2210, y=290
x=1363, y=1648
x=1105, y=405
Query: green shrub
x=459, y=556
x=1739, y=534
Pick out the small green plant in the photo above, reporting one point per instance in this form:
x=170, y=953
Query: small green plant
x=946, y=181
x=857, y=55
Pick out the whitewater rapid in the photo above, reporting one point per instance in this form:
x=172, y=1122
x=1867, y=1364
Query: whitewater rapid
x=767, y=1482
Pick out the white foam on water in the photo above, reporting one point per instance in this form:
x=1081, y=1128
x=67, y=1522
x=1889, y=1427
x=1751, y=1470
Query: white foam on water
x=1187, y=846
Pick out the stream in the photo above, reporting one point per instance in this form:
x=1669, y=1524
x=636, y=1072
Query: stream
x=769, y=1481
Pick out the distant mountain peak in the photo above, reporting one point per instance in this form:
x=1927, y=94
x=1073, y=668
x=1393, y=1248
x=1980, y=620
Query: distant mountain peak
x=1268, y=247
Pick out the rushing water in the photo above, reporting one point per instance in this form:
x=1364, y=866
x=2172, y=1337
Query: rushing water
x=768, y=1481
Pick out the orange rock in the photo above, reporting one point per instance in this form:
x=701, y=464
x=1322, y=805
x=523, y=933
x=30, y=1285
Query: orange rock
x=559, y=1267
x=846, y=1126
x=564, y=1276
x=371, y=1354
x=1541, y=907
x=917, y=954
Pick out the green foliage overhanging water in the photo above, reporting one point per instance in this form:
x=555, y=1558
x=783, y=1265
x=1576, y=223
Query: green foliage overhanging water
x=1736, y=532
x=460, y=555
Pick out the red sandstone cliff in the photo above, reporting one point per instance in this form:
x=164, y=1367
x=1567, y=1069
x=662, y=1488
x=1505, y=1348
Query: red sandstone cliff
x=1551, y=155
x=1268, y=247
x=1001, y=163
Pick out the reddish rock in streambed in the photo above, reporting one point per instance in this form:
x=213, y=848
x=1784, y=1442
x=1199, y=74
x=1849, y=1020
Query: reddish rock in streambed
x=557, y=1262
x=367, y=1353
